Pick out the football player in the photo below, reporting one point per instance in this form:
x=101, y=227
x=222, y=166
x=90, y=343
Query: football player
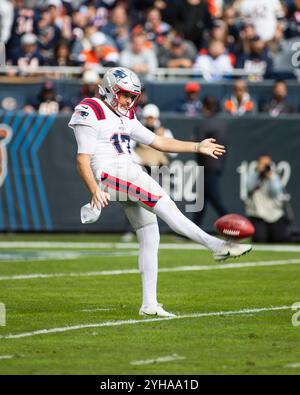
x=103, y=129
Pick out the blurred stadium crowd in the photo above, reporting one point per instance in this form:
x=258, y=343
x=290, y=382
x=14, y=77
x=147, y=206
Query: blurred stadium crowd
x=212, y=36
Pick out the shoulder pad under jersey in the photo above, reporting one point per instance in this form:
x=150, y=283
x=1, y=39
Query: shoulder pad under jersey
x=87, y=112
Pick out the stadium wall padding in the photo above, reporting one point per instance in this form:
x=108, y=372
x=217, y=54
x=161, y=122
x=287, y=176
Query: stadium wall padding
x=165, y=94
x=40, y=189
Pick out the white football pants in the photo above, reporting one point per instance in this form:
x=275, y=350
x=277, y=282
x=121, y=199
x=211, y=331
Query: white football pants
x=143, y=199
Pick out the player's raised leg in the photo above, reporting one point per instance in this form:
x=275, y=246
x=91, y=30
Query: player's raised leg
x=145, y=224
x=135, y=183
x=167, y=210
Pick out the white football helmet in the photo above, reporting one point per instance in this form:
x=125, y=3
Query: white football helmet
x=117, y=80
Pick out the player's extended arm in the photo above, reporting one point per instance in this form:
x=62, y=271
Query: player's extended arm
x=206, y=147
x=99, y=198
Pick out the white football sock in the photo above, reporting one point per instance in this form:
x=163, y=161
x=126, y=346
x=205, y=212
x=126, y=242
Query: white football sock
x=148, y=238
x=167, y=210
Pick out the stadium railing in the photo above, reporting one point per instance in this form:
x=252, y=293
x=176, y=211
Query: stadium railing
x=157, y=74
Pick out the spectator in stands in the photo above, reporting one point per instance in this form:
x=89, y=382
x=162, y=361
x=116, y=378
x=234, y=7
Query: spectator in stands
x=47, y=101
x=213, y=127
x=293, y=20
x=62, y=55
x=264, y=206
x=215, y=7
x=170, y=11
x=164, y=51
x=219, y=32
x=275, y=45
x=54, y=9
x=247, y=34
x=196, y=20
x=29, y=56
x=240, y=102
x=148, y=156
x=137, y=57
x=101, y=54
x=82, y=40
x=264, y=15
x=258, y=60
x=57, y=11
x=48, y=35
x=98, y=11
x=229, y=17
x=215, y=63
x=89, y=86
x=118, y=27
x=191, y=105
x=25, y=21
x=80, y=20
x=180, y=55
x=279, y=103
x=154, y=25
x=6, y=20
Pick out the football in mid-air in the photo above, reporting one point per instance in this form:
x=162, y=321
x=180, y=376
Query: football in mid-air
x=234, y=226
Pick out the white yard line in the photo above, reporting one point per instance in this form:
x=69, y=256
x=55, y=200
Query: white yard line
x=294, y=365
x=55, y=244
x=141, y=321
x=161, y=270
x=44, y=255
x=163, y=246
x=99, y=309
x=6, y=356
x=167, y=358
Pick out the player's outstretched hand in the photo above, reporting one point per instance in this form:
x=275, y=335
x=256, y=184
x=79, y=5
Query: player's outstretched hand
x=211, y=148
x=100, y=198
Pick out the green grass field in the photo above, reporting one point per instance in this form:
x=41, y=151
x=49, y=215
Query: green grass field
x=101, y=332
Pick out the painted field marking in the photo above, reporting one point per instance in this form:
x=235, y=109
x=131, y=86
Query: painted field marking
x=124, y=246
x=141, y=321
x=6, y=356
x=99, y=309
x=294, y=365
x=161, y=270
x=40, y=255
x=167, y=358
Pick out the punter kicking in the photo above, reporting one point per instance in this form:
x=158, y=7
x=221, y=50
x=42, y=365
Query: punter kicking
x=103, y=129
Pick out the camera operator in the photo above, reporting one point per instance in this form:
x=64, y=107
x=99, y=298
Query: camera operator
x=265, y=206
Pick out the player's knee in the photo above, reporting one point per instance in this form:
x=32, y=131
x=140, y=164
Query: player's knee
x=166, y=203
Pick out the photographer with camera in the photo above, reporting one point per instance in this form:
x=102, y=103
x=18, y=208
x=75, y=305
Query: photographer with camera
x=265, y=206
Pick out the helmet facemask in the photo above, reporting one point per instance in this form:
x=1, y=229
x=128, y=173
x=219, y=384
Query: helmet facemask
x=124, y=109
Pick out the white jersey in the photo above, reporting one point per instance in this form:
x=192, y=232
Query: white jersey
x=99, y=131
x=263, y=14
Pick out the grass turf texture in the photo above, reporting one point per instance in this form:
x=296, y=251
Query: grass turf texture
x=258, y=343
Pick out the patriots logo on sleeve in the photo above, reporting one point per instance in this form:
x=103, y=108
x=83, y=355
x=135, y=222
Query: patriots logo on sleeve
x=82, y=114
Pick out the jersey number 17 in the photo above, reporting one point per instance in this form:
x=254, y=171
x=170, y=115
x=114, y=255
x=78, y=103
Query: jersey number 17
x=115, y=138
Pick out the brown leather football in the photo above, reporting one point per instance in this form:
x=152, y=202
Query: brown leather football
x=234, y=226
